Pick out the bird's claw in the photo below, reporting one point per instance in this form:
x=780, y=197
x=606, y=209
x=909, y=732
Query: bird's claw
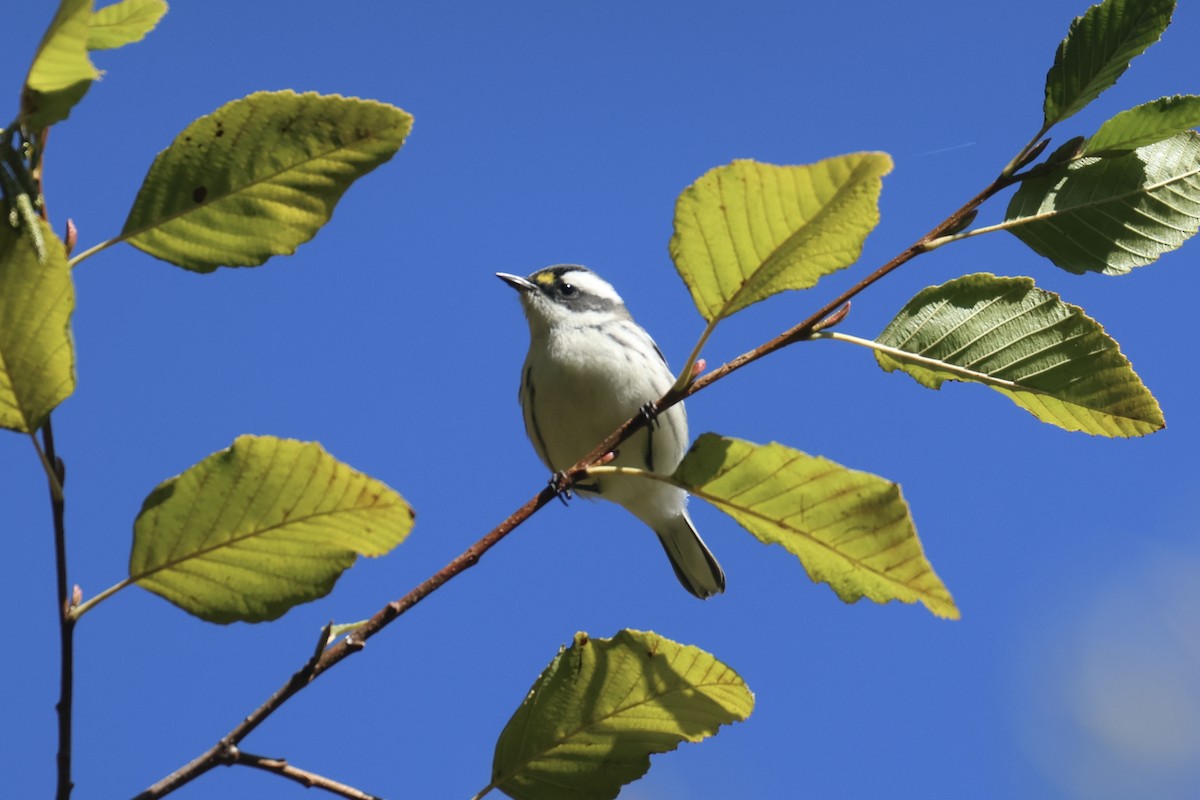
x=647, y=412
x=561, y=486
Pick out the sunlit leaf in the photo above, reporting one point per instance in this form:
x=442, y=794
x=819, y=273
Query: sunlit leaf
x=260, y=527
x=1111, y=214
x=1146, y=124
x=124, y=23
x=1097, y=51
x=747, y=230
x=603, y=706
x=1046, y=355
x=37, y=360
x=61, y=71
x=849, y=529
x=258, y=177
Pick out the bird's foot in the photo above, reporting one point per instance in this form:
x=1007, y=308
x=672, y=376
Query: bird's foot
x=647, y=412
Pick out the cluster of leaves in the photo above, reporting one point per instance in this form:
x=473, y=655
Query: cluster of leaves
x=1106, y=203
x=265, y=524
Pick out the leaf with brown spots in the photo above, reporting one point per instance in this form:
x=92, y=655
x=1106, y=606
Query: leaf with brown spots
x=258, y=177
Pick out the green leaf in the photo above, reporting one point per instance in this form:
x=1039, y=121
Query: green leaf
x=602, y=707
x=37, y=360
x=343, y=629
x=258, y=177
x=1109, y=215
x=1047, y=356
x=61, y=71
x=746, y=231
x=124, y=23
x=260, y=527
x=1146, y=124
x=849, y=529
x=1098, y=49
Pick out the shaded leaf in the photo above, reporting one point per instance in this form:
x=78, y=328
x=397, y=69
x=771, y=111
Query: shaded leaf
x=1047, y=356
x=1146, y=124
x=1111, y=214
x=262, y=526
x=1097, y=51
x=748, y=230
x=124, y=23
x=37, y=360
x=61, y=71
x=258, y=177
x=602, y=707
x=849, y=529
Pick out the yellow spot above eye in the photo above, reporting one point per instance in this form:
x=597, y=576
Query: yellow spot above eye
x=544, y=278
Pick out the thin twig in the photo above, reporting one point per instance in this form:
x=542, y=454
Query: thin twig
x=310, y=780
x=66, y=689
x=347, y=646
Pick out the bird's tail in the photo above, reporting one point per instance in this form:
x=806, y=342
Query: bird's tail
x=694, y=565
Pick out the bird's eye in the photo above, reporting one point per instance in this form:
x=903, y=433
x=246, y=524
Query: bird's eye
x=567, y=290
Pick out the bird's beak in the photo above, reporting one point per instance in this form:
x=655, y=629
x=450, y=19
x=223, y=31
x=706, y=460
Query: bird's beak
x=517, y=282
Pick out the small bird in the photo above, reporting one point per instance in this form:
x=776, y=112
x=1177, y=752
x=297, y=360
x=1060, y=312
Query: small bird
x=589, y=368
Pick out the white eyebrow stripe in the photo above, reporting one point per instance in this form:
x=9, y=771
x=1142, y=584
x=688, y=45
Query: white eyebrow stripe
x=593, y=284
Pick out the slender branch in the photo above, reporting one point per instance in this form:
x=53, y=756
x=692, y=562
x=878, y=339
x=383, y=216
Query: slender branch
x=66, y=689
x=310, y=780
x=324, y=659
x=829, y=314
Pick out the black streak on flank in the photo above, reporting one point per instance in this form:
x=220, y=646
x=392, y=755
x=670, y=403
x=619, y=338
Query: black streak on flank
x=199, y=193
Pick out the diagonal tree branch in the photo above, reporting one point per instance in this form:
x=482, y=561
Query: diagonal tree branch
x=829, y=314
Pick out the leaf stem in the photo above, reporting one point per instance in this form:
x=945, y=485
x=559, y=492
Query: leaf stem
x=686, y=376
x=91, y=251
x=87, y=605
x=932, y=363
x=56, y=488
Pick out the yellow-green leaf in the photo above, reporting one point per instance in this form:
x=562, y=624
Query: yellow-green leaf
x=262, y=526
x=61, y=71
x=124, y=23
x=1146, y=124
x=259, y=177
x=37, y=360
x=1047, y=356
x=849, y=529
x=747, y=230
x=602, y=707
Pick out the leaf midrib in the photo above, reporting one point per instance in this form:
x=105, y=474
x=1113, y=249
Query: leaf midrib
x=260, y=532
x=293, y=167
x=582, y=729
x=766, y=263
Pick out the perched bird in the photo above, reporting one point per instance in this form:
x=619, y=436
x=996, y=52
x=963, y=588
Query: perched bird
x=589, y=368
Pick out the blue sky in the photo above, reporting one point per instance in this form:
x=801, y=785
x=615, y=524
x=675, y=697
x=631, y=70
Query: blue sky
x=551, y=133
